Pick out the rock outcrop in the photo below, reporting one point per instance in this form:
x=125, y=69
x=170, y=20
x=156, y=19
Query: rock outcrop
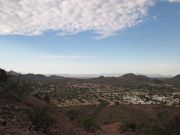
x=3, y=75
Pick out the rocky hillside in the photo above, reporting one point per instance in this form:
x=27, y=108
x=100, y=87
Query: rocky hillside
x=3, y=75
x=23, y=114
x=175, y=80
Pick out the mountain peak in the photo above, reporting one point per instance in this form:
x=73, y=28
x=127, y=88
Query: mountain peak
x=129, y=75
x=177, y=76
x=13, y=73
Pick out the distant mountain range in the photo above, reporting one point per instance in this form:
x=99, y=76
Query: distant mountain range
x=109, y=75
x=84, y=76
x=126, y=79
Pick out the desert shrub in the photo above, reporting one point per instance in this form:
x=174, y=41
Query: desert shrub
x=90, y=125
x=129, y=126
x=172, y=127
x=117, y=103
x=20, y=88
x=150, y=128
x=164, y=124
x=102, y=104
x=72, y=114
x=40, y=118
x=47, y=98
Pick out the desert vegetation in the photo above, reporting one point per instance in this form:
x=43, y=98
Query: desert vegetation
x=42, y=105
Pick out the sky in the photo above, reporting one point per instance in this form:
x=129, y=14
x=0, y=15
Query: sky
x=90, y=36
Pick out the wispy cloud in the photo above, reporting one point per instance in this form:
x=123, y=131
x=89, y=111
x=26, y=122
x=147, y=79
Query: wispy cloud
x=72, y=57
x=171, y=1
x=105, y=17
x=174, y=0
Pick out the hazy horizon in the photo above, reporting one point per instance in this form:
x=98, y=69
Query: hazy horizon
x=88, y=75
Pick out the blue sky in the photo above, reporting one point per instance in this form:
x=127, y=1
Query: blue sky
x=150, y=46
